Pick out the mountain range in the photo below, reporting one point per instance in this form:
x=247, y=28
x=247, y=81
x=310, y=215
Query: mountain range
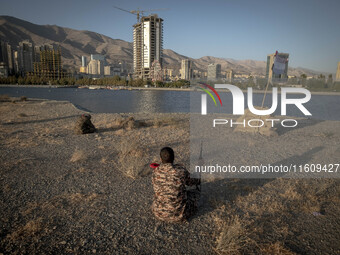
x=77, y=43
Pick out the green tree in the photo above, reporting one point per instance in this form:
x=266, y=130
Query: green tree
x=21, y=80
x=138, y=83
x=159, y=84
x=130, y=83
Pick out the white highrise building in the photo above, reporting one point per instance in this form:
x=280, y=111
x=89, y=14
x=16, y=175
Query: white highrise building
x=147, y=45
x=186, y=69
x=95, y=67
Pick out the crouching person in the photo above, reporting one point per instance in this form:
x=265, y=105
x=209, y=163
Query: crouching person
x=172, y=202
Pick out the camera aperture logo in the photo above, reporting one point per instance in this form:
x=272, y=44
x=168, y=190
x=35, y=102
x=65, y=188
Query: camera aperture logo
x=238, y=104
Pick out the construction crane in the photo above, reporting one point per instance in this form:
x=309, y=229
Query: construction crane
x=138, y=12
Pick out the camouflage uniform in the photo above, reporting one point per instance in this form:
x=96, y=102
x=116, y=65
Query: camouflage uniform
x=84, y=125
x=172, y=202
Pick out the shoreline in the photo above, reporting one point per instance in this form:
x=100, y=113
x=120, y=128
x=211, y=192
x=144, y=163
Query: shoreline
x=321, y=93
x=183, y=114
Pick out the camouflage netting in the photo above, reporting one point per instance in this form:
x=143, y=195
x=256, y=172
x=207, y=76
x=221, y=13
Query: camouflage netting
x=84, y=125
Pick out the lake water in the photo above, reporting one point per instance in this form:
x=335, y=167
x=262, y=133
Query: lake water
x=324, y=107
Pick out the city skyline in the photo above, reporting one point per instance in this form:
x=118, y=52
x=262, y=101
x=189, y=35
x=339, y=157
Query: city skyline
x=225, y=29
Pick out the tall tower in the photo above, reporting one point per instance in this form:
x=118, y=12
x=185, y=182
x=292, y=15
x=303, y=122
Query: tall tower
x=186, y=69
x=230, y=75
x=83, y=64
x=49, y=64
x=147, y=45
x=83, y=61
x=214, y=71
x=3, y=59
x=338, y=73
x=26, y=56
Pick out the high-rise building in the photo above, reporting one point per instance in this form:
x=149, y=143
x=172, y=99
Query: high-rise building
x=197, y=74
x=83, y=61
x=3, y=69
x=337, y=78
x=186, y=69
x=100, y=65
x=7, y=59
x=92, y=67
x=108, y=70
x=26, y=56
x=270, y=61
x=147, y=45
x=36, y=54
x=3, y=59
x=118, y=70
x=10, y=57
x=83, y=68
x=230, y=75
x=168, y=73
x=16, y=61
x=3, y=51
x=49, y=63
x=112, y=70
x=214, y=71
x=95, y=67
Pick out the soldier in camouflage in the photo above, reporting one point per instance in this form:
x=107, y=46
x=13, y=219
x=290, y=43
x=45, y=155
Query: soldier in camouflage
x=172, y=202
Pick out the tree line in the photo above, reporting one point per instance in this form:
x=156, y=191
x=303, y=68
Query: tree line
x=315, y=84
x=106, y=81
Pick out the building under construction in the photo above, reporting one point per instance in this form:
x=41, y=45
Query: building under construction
x=48, y=63
x=147, y=45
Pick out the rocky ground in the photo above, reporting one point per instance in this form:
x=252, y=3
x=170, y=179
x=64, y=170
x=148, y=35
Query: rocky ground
x=67, y=193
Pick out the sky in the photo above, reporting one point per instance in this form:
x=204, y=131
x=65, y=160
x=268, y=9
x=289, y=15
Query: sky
x=309, y=30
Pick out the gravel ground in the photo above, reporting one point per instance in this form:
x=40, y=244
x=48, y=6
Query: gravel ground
x=63, y=193
x=67, y=193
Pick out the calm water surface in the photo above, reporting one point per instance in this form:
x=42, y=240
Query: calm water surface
x=325, y=107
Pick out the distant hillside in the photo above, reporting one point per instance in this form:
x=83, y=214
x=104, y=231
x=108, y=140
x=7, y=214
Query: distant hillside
x=76, y=43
